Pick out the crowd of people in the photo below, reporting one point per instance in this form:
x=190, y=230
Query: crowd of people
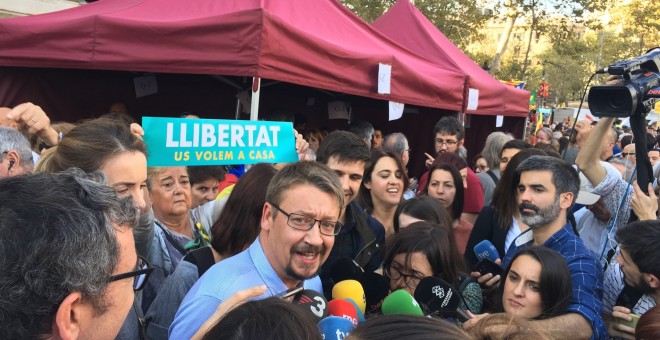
x=546, y=238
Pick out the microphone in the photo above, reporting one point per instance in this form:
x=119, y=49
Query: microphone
x=376, y=288
x=360, y=316
x=334, y=327
x=345, y=269
x=312, y=302
x=486, y=250
x=343, y=309
x=350, y=289
x=401, y=302
x=440, y=298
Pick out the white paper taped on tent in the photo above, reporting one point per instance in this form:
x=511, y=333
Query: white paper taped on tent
x=396, y=110
x=145, y=86
x=338, y=110
x=384, y=78
x=473, y=99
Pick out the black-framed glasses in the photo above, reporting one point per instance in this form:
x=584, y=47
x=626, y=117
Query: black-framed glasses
x=396, y=274
x=446, y=142
x=141, y=275
x=302, y=222
x=626, y=154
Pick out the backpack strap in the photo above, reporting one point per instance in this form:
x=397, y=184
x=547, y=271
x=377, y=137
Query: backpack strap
x=492, y=176
x=202, y=258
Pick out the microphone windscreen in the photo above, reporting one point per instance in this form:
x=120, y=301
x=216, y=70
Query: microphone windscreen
x=401, y=302
x=343, y=309
x=350, y=289
x=345, y=269
x=312, y=302
x=486, y=250
x=376, y=288
x=361, y=318
x=437, y=295
x=334, y=327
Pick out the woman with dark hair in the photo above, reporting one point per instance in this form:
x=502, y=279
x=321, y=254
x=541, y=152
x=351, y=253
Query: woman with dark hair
x=446, y=185
x=420, y=208
x=425, y=249
x=382, y=187
x=406, y=327
x=236, y=228
x=537, y=285
x=648, y=326
x=270, y=318
x=500, y=222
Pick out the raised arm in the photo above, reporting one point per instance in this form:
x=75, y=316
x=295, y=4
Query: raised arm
x=588, y=159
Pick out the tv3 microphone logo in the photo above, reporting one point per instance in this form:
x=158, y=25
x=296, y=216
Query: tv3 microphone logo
x=440, y=293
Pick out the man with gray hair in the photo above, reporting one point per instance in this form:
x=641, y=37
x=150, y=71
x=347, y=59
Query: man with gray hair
x=15, y=153
x=69, y=266
x=362, y=129
x=298, y=228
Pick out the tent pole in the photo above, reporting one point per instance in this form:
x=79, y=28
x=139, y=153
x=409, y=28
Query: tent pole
x=237, y=114
x=256, y=92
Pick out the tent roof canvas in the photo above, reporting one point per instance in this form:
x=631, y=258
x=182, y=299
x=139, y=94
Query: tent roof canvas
x=405, y=24
x=316, y=43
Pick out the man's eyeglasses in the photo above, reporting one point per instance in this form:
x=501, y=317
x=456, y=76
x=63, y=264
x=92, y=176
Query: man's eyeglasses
x=396, y=274
x=302, y=222
x=626, y=154
x=141, y=275
x=446, y=142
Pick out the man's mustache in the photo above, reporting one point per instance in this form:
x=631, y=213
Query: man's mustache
x=529, y=206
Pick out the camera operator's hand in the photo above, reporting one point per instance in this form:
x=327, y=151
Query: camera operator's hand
x=582, y=131
x=645, y=206
x=614, y=80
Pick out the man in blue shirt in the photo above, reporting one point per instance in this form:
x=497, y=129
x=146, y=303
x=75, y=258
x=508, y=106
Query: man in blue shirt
x=298, y=228
x=546, y=190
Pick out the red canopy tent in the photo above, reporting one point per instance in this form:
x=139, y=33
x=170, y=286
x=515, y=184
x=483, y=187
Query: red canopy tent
x=314, y=43
x=405, y=24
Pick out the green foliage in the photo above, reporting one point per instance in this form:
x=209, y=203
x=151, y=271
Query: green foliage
x=458, y=20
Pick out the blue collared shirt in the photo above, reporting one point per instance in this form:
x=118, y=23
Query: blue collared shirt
x=245, y=270
x=586, y=274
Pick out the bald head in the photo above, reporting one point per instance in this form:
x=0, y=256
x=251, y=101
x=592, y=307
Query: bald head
x=4, y=121
x=628, y=153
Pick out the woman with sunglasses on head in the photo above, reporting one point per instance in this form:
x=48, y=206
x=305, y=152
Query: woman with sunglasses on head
x=424, y=249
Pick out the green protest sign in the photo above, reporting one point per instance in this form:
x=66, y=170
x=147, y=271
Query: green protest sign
x=183, y=142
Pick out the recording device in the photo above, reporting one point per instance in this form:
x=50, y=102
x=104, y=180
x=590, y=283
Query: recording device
x=634, y=99
x=440, y=299
x=487, y=255
x=360, y=316
x=350, y=289
x=376, y=288
x=343, y=309
x=632, y=323
x=486, y=250
x=289, y=293
x=485, y=266
x=635, y=96
x=334, y=327
x=312, y=302
x=345, y=269
x=401, y=302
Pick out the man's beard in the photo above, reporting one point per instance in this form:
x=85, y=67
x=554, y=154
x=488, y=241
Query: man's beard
x=542, y=216
x=641, y=285
x=305, y=249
